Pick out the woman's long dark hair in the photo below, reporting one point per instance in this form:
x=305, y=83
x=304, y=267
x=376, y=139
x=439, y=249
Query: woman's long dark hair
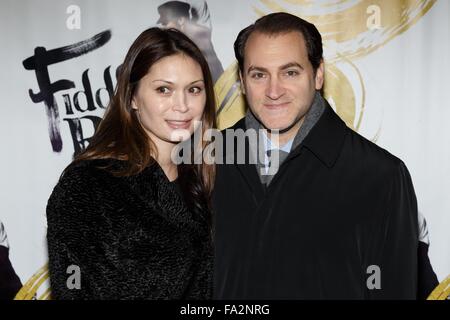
x=120, y=134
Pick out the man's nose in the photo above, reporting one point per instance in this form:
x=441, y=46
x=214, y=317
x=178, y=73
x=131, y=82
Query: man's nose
x=274, y=88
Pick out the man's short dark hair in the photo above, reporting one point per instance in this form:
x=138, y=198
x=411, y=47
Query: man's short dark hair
x=279, y=23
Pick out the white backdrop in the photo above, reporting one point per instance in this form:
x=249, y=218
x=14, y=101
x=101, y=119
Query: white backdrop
x=401, y=91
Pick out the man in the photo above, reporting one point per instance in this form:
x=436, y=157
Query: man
x=338, y=219
x=9, y=281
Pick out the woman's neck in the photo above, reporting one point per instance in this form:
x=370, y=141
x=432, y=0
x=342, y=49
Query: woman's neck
x=164, y=159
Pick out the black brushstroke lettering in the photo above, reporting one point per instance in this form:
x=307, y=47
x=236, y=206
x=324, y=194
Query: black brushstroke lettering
x=80, y=142
x=108, y=87
x=68, y=104
x=87, y=93
x=40, y=62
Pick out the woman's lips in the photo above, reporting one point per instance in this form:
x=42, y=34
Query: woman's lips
x=179, y=124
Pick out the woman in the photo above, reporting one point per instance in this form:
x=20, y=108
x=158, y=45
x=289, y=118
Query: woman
x=124, y=221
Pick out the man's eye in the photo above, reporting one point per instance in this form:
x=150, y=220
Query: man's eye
x=163, y=90
x=292, y=73
x=258, y=75
x=195, y=90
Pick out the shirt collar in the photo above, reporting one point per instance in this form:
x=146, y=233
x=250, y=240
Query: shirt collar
x=269, y=146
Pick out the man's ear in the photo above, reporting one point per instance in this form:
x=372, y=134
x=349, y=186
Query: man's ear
x=320, y=75
x=242, y=82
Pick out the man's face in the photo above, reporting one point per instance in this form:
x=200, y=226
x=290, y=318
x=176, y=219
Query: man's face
x=278, y=79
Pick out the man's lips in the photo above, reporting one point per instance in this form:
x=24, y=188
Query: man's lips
x=274, y=106
x=179, y=124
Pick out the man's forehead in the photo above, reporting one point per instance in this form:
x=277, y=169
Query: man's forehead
x=294, y=37
x=274, y=51
x=267, y=43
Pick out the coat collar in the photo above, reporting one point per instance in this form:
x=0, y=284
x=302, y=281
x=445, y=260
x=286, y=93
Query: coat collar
x=156, y=194
x=326, y=138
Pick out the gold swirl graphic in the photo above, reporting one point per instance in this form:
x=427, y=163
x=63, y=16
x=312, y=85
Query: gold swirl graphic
x=346, y=22
x=231, y=103
x=442, y=291
x=31, y=287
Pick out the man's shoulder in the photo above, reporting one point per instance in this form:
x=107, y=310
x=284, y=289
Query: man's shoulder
x=240, y=124
x=229, y=134
x=370, y=154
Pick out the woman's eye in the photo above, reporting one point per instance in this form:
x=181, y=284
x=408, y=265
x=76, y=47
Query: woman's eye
x=195, y=90
x=163, y=90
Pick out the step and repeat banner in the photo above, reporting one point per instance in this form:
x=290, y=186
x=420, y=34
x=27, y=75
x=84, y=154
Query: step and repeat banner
x=387, y=75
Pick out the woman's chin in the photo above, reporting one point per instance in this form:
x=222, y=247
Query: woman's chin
x=179, y=135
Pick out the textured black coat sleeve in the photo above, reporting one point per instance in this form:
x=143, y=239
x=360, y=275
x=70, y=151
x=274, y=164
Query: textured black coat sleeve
x=397, y=242
x=73, y=213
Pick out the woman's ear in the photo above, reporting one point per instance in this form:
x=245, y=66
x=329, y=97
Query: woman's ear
x=133, y=104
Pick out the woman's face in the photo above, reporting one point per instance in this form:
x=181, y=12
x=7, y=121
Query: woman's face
x=170, y=99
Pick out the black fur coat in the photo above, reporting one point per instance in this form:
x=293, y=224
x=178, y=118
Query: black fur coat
x=131, y=237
